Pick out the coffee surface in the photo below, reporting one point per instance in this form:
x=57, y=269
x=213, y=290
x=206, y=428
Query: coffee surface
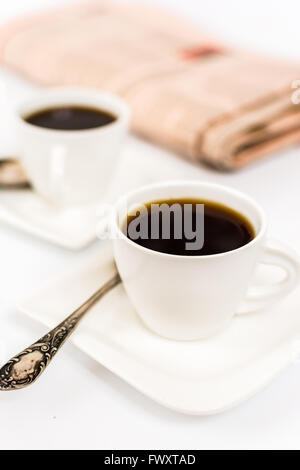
x=224, y=228
x=70, y=118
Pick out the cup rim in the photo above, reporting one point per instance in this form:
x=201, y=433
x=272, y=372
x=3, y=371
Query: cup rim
x=122, y=114
x=183, y=183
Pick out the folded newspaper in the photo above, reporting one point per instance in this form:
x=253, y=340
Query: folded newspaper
x=211, y=103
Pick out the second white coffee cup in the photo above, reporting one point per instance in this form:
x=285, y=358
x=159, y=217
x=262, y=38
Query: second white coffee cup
x=71, y=167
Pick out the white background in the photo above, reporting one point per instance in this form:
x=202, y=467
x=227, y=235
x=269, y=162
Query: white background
x=79, y=404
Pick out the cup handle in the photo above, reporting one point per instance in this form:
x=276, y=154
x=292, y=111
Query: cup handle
x=260, y=297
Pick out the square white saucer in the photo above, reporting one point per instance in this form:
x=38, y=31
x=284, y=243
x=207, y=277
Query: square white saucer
x=199, y=377
x=76, y=227
x=72, y=228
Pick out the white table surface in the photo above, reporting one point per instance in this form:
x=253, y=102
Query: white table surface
x=78, y=403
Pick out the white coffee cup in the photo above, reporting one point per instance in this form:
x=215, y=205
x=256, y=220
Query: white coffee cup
x=71, y=167
x=193, y=297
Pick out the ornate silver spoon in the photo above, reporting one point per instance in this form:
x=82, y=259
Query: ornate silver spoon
x=12, y=174
x=24, y=368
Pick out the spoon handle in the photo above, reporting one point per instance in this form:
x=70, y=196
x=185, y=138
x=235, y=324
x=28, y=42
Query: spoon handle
x=12, y=174
x=24, y=368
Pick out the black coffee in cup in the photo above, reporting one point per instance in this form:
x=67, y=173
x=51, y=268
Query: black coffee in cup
x=176, y=226
x=70, y=118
